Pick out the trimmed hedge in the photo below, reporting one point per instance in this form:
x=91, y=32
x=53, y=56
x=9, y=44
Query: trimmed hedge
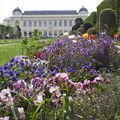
x=108, y=21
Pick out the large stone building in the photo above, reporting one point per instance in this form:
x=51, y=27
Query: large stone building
x=51, y=23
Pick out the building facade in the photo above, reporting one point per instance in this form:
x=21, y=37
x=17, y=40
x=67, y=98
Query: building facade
x=51, y=23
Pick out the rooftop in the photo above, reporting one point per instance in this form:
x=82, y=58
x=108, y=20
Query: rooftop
x=50, y=12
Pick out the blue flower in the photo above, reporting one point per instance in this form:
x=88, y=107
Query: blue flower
x=1, y=71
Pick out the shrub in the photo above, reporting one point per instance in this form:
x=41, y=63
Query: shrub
x=105, y=18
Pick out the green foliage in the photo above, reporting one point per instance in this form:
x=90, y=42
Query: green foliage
x=113, y=4
x=103, y=104
x=37, y=34
x=7, y=52
x=105, y=18
x=4, y=30
x=92, y=18
x=78, y=23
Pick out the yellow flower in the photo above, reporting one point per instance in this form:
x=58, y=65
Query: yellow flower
x=85, y=35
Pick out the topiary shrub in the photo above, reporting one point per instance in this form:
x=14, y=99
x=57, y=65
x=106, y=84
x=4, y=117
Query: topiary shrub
x=108, y=21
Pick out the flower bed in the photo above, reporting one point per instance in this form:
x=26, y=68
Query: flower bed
x=48, y=85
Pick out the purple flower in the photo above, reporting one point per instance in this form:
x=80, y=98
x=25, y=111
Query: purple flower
x=19, y=85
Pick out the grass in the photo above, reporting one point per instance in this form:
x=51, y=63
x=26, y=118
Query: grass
x=8, y=41
x=7, y=52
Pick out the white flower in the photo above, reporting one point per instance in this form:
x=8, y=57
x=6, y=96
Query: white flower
x=71, y=37
x=86, y=82
x=30, y=87
x=21, y=110
x=6, y=97
x=44, y=62
x=74, y=41
x=53, y=88
x=39, y=99
x=4, y=118
x=21, y=113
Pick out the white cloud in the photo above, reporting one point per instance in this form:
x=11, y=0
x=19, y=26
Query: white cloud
x=7, y=6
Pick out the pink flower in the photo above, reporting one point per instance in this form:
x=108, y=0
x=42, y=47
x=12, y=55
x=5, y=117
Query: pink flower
x=99, y=79
x=62, y=75
x=79, y=86
x=94, y=81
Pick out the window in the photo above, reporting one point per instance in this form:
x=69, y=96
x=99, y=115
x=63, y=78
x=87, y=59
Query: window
x=55, y=23
x=70, y=22
x=40, y=23
x=24, y=23
x=65, y=22
x=60, y=23
x=35, y=23
x=50, y=23
x=29, y=23
x=45, y=23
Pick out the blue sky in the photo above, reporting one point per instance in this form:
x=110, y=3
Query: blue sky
x=7, y=6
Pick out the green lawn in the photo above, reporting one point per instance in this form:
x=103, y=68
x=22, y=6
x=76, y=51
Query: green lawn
x=8, y=51
x=8, y=41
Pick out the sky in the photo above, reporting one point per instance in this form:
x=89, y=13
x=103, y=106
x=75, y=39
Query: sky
x=7, y=6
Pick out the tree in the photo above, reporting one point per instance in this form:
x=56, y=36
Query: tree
x=87, y=26
x=92, y=18
x=78, y=23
